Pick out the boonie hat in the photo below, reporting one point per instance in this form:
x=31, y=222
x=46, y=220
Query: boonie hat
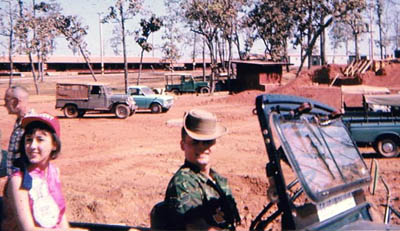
x=45, y=118
x=202, y=125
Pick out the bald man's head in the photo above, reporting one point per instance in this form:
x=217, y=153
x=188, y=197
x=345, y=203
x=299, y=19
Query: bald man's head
x=16, y=100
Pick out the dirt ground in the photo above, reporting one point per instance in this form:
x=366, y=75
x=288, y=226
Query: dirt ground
x=113, y=171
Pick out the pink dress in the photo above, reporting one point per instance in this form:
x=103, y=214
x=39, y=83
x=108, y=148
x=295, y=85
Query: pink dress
x=46, y=200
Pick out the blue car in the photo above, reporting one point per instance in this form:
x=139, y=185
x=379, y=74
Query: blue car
x=145, y=98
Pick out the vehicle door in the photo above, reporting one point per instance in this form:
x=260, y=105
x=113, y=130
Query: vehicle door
x=188, y=83
x=139, y=97
x=97, y=97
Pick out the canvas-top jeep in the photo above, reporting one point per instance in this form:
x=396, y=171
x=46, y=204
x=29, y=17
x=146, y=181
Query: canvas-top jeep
x=75, y=99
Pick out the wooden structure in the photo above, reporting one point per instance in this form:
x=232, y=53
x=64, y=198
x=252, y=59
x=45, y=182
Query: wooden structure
x=256, y=74
x=357, y=68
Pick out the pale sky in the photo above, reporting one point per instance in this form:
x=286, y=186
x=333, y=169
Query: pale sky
x=88, y=11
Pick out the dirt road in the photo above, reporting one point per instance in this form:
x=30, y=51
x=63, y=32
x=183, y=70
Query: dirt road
x=113, y=171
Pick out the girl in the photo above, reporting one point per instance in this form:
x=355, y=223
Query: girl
x=32, y=196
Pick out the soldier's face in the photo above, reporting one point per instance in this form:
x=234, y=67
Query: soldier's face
x=197, y=152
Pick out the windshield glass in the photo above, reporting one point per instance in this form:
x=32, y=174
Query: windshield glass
x=324, y=157
x=147, y=91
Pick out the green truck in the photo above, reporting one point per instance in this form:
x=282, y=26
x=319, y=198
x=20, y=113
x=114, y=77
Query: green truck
x=376, y=124
x=179, y=83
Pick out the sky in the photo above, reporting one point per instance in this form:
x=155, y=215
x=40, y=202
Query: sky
x=89, y=11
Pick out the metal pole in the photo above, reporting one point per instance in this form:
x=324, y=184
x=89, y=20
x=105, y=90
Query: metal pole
x=101, y=44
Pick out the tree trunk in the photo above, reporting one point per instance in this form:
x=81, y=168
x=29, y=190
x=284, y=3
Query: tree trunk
x=356, y=46
x=140, y=67
x=121, y=11
x=312, y=43
x=33, y=72
x=213, y=64
x=87, y=62
x=11, y=48
x=322, y=44
x=204, y=60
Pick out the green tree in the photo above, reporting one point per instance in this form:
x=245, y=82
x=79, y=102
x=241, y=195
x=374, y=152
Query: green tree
x=313, y=17
x=25, y=35
x=119, y=13
x=206, y=18
x=172, y=34
x=142, y=35
x=7, y=22
x=74, y=32
x=273, y=24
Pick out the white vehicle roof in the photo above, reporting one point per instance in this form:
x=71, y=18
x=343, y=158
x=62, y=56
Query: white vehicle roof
x=390, y=100
x=364, y=89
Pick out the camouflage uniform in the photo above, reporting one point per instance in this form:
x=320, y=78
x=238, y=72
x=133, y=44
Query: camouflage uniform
x=190, y=195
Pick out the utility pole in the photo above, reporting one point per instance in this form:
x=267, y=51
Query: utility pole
x=101, y=43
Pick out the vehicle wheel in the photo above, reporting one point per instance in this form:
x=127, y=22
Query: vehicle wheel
x=81, y=113
x=155, y=108
x=122, y=111
x=175, y=92
x=70, y=111
x=387, y=147
x=204, y=90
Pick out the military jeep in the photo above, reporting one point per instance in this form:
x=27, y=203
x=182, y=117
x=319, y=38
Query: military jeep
x=75, y=99
x=317, y=176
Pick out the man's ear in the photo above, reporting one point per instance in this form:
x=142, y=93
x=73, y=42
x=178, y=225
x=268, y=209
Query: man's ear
x=14, y=102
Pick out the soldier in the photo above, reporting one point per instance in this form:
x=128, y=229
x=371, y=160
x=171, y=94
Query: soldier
x=16, y=102
x=197, y=197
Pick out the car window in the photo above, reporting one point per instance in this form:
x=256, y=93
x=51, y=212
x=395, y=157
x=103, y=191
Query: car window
x=134, y=91
x=95, y=90
x=147, y=91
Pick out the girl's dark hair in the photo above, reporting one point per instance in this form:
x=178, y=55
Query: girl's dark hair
x=32, y=128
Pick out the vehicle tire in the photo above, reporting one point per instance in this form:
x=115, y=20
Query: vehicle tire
x=204, y=90
x=70, y=111
x=122, y=111
x=155, y=108
x=81, y=113
x=176, y=92
x=387, y=147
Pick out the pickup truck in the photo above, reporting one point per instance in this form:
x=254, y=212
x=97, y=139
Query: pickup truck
x=75, y=99
x=146, y=98
x=376, y=123
x=179, y=83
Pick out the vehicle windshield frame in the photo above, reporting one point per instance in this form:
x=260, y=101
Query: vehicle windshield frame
x=307, y=144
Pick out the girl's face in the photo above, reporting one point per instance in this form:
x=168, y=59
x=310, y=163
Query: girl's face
x=38, y=147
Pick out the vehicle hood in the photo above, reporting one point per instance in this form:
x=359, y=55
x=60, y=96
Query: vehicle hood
x=163, y=97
